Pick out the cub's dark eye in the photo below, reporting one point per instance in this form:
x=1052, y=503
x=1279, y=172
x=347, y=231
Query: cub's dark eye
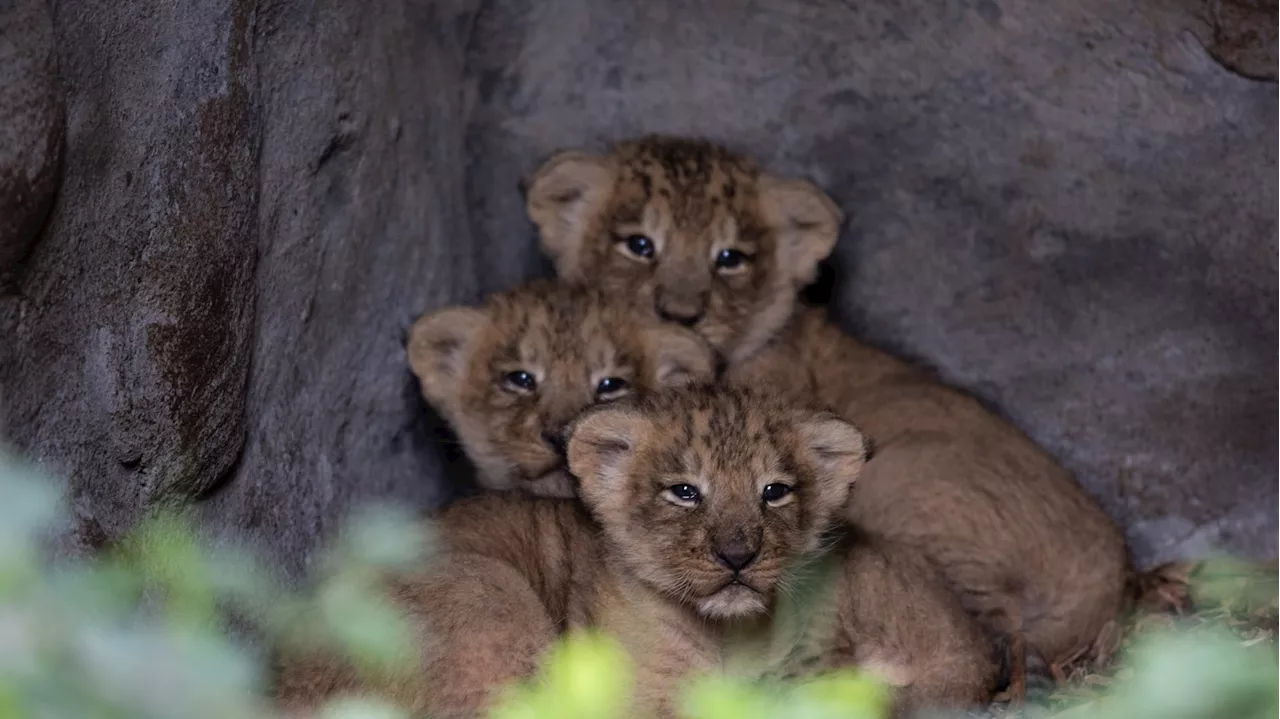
x=639, y=245
x=685, y=494
x=729, y=259
x=610, y=385
x=775, y=492
x=521, y=380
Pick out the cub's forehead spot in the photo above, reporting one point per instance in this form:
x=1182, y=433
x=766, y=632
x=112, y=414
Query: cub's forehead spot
x=656, y=216
x=602, y=356
x=584, y=341
x=528, y=331
x=531, y=349
x=726, y=230
x=696, y=193
x=734, y=446
x=666, y=449
x=690, y=460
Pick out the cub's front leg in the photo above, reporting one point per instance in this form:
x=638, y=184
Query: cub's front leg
x=483, y=627
x=478, y=624
x=667, y=647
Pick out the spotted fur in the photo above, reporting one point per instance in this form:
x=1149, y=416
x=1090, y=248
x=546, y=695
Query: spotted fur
x=669, y=563
x=1027, y=550
x=514, y=572
x=693, y=200
x=568, y=339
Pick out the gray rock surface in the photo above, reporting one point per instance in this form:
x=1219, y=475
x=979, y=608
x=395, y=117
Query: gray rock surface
x=362, y=227
x=1067, y=206
x=31, y=125
x=127, y=342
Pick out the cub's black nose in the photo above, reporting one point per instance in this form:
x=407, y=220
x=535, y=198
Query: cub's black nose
x=554, y=440
x=736, y=555
x=688, y=319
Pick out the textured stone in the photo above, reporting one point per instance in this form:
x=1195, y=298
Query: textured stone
x=128, y=337
x=363, y=226
x=1066, y=206
x=1241, y=34
x=31, y=127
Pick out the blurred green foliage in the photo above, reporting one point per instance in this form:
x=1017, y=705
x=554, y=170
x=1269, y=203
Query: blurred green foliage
x=142, y=632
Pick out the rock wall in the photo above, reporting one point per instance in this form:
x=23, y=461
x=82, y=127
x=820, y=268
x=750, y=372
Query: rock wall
x=1066, y=206
x=362, y=226
x=32, y=127
x=258, y=198
x=129, y=331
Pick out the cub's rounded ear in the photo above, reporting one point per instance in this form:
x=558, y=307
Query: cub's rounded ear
x=599, y=446
x=438, y=346
x=836, y=449
x=561, y=198
x=678, y=356
x=806, y=220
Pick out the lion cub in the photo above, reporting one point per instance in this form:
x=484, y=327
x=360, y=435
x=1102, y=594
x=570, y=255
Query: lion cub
x=509, y=375
x=709, y=242
x=703, y=506
x=710, y=501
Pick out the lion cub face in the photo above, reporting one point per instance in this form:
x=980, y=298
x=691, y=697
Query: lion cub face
x=510, y=375
x=708, y=494
x=697, y=232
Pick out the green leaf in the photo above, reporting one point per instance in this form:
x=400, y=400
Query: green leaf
x=1196, y=675
x=107, y=589
x=167, y=673
x=718, y=696
x=382, y=537
x=589, y=674
x=847, y=694
x=523, y=702
x=166, y=551
x=1233, y=585
x=30, y=508
x=11, y=704
x=361, y=708
x=586, y=675
x=368, y=627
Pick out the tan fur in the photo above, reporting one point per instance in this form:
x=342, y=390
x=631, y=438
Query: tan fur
x=509, y=577
x=568, y=339
x=517, y=570
x=667, y=594
x=693, y=200
x=1015, y=536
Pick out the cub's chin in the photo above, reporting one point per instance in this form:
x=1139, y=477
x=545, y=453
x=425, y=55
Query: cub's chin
x=721, y=336
x=735, y=601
